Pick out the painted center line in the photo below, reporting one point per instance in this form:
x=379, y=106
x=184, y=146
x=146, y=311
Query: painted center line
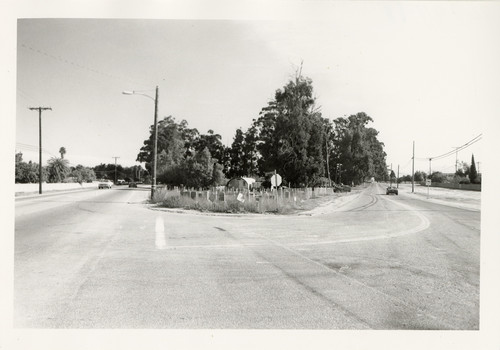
x=160, y=241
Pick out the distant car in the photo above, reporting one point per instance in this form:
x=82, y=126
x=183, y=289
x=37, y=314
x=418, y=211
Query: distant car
x=341, y=188
x=132, y=184
x=346, y=188
x=104, y=185
x=391, y=190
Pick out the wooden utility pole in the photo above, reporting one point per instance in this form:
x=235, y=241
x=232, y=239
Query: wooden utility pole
x=413, y=170
x=40, y=109
x=456, y=158
x=390, y=176
x=397, y=179
x=115, y=167
x=327, y=165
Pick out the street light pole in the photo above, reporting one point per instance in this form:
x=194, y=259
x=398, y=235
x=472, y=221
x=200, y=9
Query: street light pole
x=413, y=170
x=155, y=142
x=155, y=135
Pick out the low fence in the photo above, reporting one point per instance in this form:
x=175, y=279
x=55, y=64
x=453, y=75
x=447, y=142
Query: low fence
x=467, y=187
x=230, y=200
x=33, y=187
x=225, y=194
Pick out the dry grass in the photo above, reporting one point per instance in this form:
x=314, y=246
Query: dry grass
x=251, y=204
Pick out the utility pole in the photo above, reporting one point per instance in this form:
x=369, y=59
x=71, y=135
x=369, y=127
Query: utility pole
x=413, y=170
x=40, y=109
x=430, y=167
x=390, y=177
x=115, y=167
x=339, y=170
x=327, y=166
x=456, y=158
x=397, y=179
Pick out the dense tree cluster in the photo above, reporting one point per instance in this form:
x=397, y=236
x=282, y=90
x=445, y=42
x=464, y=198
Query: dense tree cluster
x=57, y=170
x=185, y=157
x=27, y=172
x=358, y=150
x=107, y=172
x=290, y=136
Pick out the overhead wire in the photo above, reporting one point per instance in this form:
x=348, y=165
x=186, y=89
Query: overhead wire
x=457, y=149
x=69, y=62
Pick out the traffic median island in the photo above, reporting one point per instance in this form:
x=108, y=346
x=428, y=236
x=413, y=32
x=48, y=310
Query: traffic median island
x=286, y=203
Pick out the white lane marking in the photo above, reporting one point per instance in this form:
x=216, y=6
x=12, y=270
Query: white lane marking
x=160, y=242
x=424, y=224
x=409, y=305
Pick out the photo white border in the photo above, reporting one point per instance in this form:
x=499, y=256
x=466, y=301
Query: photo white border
x=486, y=338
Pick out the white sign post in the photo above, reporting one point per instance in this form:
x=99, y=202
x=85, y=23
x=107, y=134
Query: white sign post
x=428, y=183
x=275, y=182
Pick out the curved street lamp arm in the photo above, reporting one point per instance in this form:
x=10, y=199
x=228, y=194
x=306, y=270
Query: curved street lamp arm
x=137, y=93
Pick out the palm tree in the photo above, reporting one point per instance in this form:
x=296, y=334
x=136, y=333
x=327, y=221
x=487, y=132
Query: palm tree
x=58, y=169
x=62, y=150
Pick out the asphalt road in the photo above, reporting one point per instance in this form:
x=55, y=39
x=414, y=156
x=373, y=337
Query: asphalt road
x=106, y=259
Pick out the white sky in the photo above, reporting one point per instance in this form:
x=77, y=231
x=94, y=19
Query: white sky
x=422, y=72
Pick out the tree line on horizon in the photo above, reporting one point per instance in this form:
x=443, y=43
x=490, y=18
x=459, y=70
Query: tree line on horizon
x=464, y=174
x=58, y=170
x=290, y=137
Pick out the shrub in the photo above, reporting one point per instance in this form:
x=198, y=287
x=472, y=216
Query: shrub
x=464, y=181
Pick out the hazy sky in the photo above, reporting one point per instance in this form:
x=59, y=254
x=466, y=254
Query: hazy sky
x=423, y=72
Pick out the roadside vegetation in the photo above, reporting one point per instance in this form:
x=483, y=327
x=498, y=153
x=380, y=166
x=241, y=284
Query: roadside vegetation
x=465, y=174
x=278, y=202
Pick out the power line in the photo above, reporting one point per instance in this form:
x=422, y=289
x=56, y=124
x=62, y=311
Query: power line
x=457, y=149
x=79, y=66
x=30, y=99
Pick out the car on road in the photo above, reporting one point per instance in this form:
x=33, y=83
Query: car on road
x=341, y=188
x=132, y=184
x=104, y=185
x=391, y=190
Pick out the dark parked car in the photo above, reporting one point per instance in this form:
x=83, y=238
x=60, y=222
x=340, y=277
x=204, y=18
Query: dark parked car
x=341, y=188
x=132, y=184
x=392, y=190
